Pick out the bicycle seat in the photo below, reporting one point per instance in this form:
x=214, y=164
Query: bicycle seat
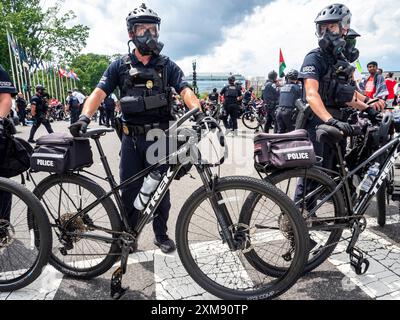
x=298, y=134
x=328, y=134
x=95, y=133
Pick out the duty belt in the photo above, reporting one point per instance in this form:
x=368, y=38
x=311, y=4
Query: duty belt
x=136, y=130
x=285, y=108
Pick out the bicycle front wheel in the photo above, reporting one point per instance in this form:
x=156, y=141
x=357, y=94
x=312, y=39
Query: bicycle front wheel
x=226, y=272
x=25, y=236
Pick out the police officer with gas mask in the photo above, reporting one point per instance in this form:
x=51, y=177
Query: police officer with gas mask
x=7, y=91
x=327, y=77
x=145, y=80
x=289, y=94
x=270, y=97
x=232, y=97
x=39, y=109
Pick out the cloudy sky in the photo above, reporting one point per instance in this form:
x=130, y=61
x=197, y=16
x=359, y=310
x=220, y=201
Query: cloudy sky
x=241, y=36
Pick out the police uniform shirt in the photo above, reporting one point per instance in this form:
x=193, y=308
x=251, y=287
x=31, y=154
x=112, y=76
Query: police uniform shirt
x=79, y=96
x=6, y=85
x=315, y=66
x=41, y=106
x=231, y=100
x=21, y=103
x=213, y=97
x=112, y=77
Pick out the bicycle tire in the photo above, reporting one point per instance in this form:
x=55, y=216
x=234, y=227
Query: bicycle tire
x=279, y=286
x=42, y=234
x=329, y=185
x=245, y=118
x=94, y=189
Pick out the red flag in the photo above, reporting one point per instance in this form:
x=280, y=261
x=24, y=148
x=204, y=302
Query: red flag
x=61, y=72
x=282, y=65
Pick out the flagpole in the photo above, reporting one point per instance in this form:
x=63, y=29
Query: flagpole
x=22, y=68
x=54, y=75
x=11, y=62
x=47, y=78
x=18, y=75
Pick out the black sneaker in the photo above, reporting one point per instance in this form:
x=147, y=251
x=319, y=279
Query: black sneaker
x=165, y=244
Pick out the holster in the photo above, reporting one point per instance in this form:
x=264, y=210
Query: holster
x=119, y=127
x=304, y=113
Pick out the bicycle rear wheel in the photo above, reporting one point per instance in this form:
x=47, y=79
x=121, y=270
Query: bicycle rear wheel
x=316, y=186
x=25, y=236
x=63, y=197
x=250, y=120
x=227, y=273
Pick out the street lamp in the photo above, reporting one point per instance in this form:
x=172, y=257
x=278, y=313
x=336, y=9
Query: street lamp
x=195, y=88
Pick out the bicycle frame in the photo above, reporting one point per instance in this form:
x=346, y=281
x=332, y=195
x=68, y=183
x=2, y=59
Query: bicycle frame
x=362, y=205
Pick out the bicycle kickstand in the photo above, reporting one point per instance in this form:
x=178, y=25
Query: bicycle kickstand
x=117, y=292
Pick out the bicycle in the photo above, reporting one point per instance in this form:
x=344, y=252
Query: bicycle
x=212, y=246
x=328, y=200
x=255, y=118
x=25, y=236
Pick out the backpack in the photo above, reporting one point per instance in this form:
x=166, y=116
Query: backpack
x=15, y=154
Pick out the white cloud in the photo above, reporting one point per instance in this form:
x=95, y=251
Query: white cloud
x=252, y=46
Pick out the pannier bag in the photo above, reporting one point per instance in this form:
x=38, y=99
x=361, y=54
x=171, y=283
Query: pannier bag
x=60, y=153
x=281, y=151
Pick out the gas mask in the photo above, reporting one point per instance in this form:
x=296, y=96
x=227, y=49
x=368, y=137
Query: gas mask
x=148, y=44
x=350, y=51
x=333, y=43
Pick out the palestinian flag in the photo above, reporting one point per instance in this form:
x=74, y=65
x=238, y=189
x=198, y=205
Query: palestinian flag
x=282, y=65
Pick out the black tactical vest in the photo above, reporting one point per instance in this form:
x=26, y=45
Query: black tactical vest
x=145, y=96
x=289, y=95
x=338, y=87
x=270, y=94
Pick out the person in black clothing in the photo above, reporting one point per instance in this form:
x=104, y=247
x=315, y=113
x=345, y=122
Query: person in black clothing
x=289, y=94
x=248, y=96
x=214, y=96
x=327, y=76
x=145, y=78
x=109, y=106
x=7, y=91
x=102, y=117
x=232, y=97
x=73, y=106
x=21, y=108
x=39, y=109
x=271, y=99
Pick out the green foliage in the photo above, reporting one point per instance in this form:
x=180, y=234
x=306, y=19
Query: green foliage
x=45, y=34
x=89, y=68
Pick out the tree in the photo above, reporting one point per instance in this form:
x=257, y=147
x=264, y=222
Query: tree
x=89, y=68
x=44, y=34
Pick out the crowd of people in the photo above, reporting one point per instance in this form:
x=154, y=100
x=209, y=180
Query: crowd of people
x=145, y=80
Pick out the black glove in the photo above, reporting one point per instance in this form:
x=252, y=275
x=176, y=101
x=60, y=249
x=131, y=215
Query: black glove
x=80, y=127
x=344, y=127
x=373, y=114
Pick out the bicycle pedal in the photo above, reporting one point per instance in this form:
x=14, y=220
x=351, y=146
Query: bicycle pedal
x=358, y=262
x=117, y=292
